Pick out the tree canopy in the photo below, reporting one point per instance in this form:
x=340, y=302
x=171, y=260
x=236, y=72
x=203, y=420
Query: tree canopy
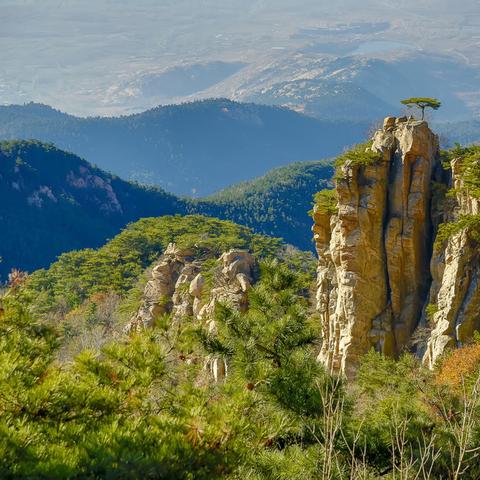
x=422, y=103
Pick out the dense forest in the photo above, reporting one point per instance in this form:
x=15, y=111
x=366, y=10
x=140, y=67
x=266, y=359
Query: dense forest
x=80, y=399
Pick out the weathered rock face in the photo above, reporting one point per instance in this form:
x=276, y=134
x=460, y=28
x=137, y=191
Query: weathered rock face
x=455, y=292
x=232, y=284
x=178, y=286
x=374, y=253
x=163, y=292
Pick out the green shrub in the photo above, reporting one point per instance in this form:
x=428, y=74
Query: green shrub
x=431, y=309
x=470, y=223
x=470, y=167
x=360, y=154
x=326, y=202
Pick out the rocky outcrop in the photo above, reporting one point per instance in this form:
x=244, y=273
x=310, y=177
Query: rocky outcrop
x=374, y=253
x=454, y=300
x=178, y=286
x=163, y=292
x=232, y=284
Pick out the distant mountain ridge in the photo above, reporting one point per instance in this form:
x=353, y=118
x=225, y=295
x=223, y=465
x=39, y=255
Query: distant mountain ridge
x=195, y=148
x=359, y=86
x=325, y=99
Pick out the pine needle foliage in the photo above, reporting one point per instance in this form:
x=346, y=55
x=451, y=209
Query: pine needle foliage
x=325, y=202
x=422, y=103
x=131, y=412
x=468, y=223
x=359, y=155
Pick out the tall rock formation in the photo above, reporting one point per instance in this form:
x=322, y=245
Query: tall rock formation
x=374, y=251
x=454, y=298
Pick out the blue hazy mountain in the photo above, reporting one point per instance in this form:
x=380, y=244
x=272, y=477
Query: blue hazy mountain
x=195, y=148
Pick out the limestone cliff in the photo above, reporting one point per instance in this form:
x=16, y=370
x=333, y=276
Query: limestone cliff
x=374, y=251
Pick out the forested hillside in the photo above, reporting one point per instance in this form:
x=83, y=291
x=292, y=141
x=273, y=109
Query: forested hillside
x=58, y=202
x=54, y=202
x=191, y=149
x=276, y=204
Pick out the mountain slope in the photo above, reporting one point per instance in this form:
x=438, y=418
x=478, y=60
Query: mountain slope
x=276, y=204
x=356, y=86
x=325, y=99
x=117, y=265
x=54, y=202
x=196, y=148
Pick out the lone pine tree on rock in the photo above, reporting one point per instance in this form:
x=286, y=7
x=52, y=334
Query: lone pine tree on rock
x=422, y=103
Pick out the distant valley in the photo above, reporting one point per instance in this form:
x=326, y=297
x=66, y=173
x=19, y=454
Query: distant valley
x=390, y=49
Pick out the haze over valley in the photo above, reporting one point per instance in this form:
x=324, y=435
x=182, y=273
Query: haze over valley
x=330, y=60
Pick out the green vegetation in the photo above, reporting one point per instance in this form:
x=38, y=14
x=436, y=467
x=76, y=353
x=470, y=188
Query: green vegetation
x=80, y=399
x=359, y=155
x=469, y=171
x=326, y=201
x=54, y=202
x=469, y=158
x=275, y=204
x=116, y=267
x=146, y=407
x=470, y=223
x=422, y=103
x=431, y=309
x=108, y=416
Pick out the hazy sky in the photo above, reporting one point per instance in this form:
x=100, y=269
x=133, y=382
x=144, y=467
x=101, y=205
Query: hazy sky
x=78, y=54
